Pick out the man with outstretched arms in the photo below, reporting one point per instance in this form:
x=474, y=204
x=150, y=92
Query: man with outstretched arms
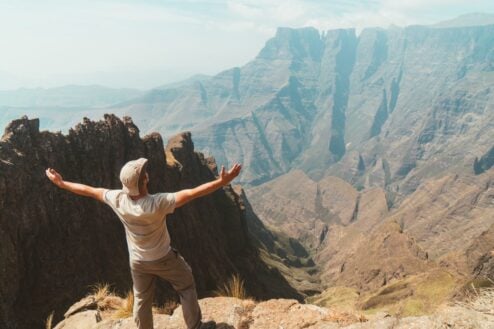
x=144, y=218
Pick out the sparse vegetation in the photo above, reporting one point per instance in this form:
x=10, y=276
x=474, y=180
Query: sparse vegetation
x=472, y=287
x=234, y=287
x=343, y=298
x=170, y=159
x=49, y=321
x=100, y=291
x=126, y=308
x=413, y=296
x=482, y=301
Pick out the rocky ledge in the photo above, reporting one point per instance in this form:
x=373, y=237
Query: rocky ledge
x=233, y=313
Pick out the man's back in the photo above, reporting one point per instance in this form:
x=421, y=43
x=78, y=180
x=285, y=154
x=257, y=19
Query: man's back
x=144, y=222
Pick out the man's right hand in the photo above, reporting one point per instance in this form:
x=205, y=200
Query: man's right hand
x=54, y=177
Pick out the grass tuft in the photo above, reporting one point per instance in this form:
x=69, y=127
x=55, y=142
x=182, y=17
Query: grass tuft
x=234, y=287
x=100, y=291
x=126, y=309
x=49, y=321
x=482, y=301
x=171, y=161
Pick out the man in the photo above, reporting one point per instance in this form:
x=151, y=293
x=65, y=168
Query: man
x=144, y=218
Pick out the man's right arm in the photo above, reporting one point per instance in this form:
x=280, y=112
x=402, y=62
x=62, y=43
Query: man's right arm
x=184, y=196
x=96, y=193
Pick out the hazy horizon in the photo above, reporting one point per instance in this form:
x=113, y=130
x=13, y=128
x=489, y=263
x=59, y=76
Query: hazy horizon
x=145, y=44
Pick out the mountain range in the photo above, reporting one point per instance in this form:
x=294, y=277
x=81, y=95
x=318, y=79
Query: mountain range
x=367, y=180
x=387, y=107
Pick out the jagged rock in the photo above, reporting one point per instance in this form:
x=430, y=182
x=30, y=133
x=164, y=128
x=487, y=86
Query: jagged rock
x=54, y=244
x=82, y=305
x=233, y=313
x=287, y=314
x=81, y=320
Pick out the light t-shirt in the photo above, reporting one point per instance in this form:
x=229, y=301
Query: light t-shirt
x=144, y=221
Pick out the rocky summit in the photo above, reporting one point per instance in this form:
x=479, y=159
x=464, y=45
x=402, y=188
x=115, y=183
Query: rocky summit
x=233, y=313
x=54, y=245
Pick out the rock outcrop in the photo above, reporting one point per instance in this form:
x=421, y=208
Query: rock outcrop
x=233, y=313
x=53, y=244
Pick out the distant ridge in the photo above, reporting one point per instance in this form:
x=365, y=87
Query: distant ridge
x=472, y=19
x=67, y=96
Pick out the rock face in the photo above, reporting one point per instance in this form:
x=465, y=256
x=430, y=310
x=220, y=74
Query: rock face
x=387, y=108
x=53, y=244
x=233, y=313
x=441, y=234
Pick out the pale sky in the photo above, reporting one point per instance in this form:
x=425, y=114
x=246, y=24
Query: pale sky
x=146, y=43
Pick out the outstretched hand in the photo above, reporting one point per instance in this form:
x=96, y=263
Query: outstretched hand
x=54, y=177
x=227, y=177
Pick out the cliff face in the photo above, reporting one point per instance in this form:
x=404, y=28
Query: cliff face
x=387, y=108
x=53, y=244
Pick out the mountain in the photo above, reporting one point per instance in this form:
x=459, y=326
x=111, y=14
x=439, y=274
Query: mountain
x=386, y=108
x=473, y=19
x=54, y=245
x=367, y=255
x=59, y=108
x=66, y=96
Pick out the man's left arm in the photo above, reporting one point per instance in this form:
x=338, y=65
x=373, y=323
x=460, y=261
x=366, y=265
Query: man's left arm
x=187, y=195
x=96, y=193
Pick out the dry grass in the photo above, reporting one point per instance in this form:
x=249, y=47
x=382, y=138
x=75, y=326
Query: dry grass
x=481, y=300
x=103, y=296
x=345, y=318
x=100, y=291
x=234, y=287
x=343, y=298
x=413, y=296
x=125, y=310
x=170, y=159
x=49, y=321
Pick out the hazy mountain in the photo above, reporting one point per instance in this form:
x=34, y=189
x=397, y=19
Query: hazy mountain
x=473, y=19
x=66, y=96
x=59, y=108
x=386, y=108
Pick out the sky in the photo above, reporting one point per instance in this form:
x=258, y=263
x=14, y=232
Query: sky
x=146, y=43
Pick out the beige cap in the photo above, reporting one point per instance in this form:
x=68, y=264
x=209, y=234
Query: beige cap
x=129, y=175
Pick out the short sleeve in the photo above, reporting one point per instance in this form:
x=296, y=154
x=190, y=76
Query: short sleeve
x=166, y=202
x=110, y=197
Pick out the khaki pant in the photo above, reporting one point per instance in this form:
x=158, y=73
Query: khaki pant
x=173, y=269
